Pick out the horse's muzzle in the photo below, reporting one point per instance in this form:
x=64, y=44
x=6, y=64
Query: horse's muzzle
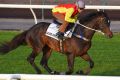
x=109, y=35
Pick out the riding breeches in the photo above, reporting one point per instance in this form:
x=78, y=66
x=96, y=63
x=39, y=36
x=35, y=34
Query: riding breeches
x=61, y=17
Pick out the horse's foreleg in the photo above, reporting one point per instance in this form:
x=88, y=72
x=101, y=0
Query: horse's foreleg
x=70, y=60
x=31, y=59
x=87, y=58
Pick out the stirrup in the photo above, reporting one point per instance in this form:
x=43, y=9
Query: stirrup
x=60, y=35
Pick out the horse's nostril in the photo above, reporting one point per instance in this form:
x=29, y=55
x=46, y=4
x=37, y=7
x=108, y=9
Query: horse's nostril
x=110, y=35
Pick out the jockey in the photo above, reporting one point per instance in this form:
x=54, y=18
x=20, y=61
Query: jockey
x=67, y=13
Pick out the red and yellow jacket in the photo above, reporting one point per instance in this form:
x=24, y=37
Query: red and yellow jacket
x=69, y=10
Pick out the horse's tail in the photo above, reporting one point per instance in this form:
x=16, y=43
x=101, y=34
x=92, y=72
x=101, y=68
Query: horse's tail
x=13, y=44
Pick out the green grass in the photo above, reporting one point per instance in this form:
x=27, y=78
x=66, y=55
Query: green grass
x=104, y=52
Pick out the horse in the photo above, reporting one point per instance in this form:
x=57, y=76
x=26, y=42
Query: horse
x=76, y=46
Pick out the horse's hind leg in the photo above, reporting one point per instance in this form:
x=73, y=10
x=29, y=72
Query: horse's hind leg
x=46, y=55
x=31, y=59
x=87, y=58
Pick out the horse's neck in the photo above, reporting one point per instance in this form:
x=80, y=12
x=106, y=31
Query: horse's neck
x=87, y=32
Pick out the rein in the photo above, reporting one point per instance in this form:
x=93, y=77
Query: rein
x=91, y=28
x=79, y=36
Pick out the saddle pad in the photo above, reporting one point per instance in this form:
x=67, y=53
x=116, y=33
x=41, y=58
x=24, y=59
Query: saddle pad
x=53, y=29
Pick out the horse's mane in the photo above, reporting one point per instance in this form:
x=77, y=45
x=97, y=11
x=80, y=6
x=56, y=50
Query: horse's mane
x=90, y=16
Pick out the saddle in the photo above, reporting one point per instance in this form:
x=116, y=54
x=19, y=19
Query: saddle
x=54, y=28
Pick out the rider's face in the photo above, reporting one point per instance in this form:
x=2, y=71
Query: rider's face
x=80, y=10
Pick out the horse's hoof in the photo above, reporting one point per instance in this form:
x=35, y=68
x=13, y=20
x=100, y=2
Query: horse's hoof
x=80, y=72
x=54, y=72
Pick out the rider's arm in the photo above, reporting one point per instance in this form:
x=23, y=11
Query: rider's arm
x=68, y=15
x=76, y=17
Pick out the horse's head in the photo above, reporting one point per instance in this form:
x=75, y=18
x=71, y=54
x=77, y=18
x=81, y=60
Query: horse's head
x=103, y=24
x=97, y=21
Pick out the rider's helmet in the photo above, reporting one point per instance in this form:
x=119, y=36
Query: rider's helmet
x=80, y=4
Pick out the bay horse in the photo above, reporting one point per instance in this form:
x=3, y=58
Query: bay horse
x=75, y=46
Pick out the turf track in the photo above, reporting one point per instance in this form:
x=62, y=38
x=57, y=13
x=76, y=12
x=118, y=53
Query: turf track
x=104, y=52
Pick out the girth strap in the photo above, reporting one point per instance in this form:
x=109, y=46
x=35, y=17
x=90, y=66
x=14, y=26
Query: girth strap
x=61, y=46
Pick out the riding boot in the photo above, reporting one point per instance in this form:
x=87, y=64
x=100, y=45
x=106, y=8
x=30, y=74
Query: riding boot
x=62, y=30
x=60, y=35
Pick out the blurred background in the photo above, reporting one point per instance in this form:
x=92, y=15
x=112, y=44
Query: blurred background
x=15, y=18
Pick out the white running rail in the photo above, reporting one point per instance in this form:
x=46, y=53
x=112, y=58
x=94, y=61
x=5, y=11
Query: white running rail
x=51, y=6
x=54, y=77
x=31, y=7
